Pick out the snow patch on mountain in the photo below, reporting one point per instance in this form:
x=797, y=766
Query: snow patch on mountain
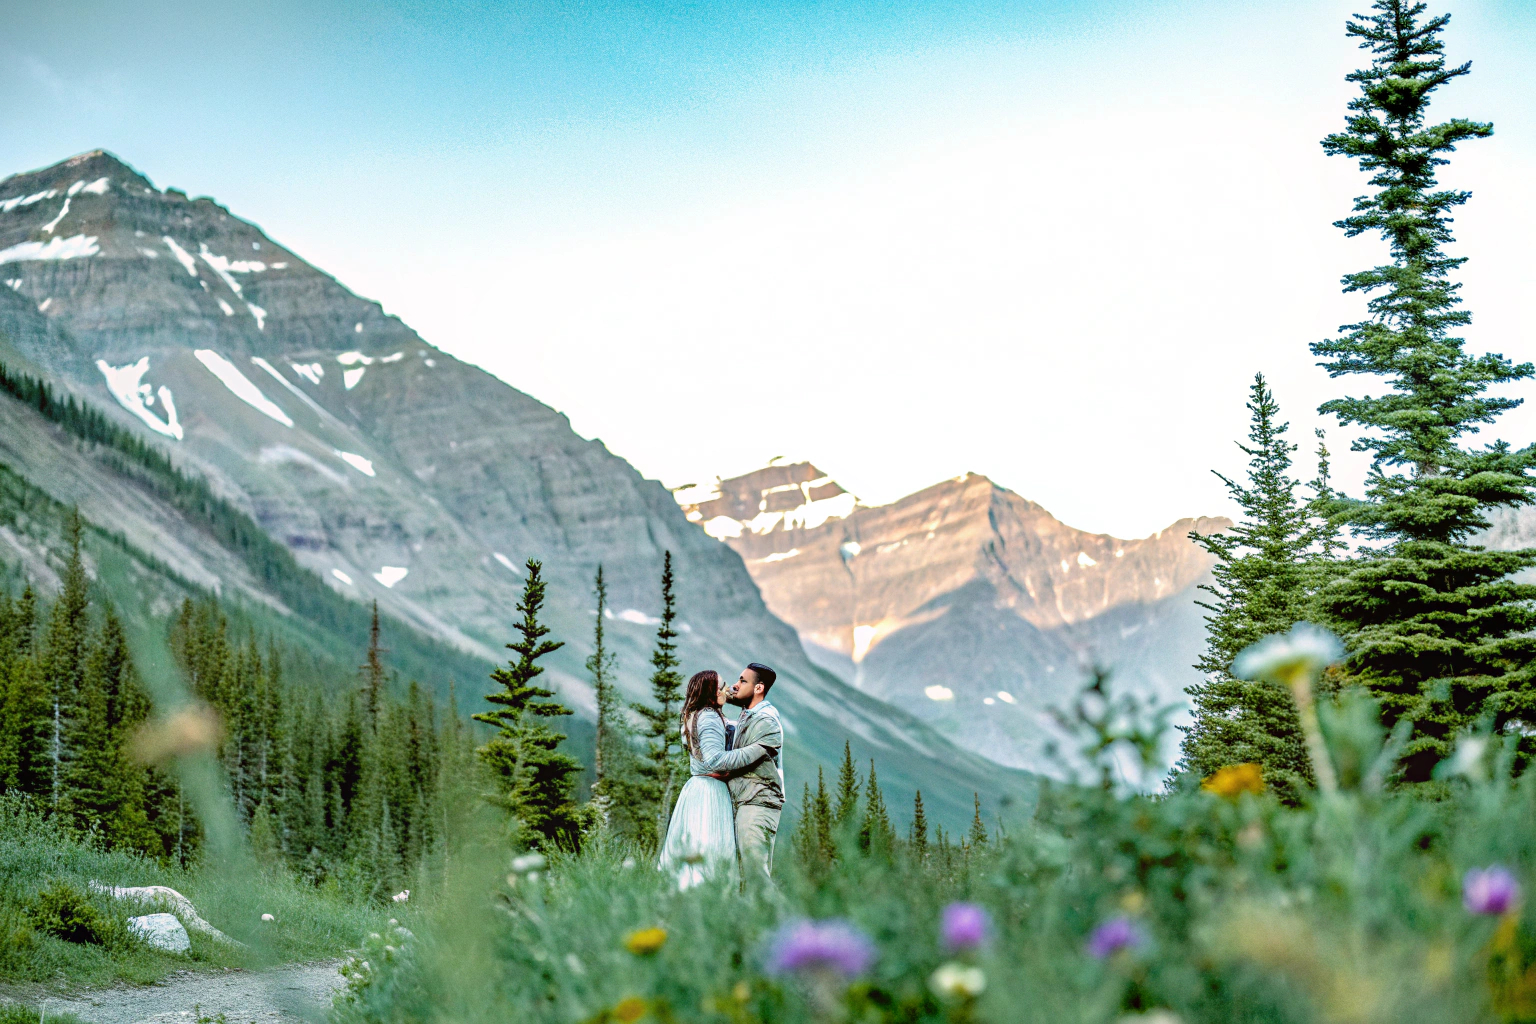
x=638, y=617
x=127, y=386
x=389, y=575
x=74, y=247
x=231, y=377
x=357, y=462
x=182, y=256
x=504, y=560
x=722, y=527
x=97, y=187
x=349, y=378
x=48, y=228
x=7, y=205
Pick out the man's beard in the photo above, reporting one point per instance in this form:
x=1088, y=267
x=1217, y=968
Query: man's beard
x=736, y=701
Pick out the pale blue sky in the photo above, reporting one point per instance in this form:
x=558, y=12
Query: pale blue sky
x=1046, y=242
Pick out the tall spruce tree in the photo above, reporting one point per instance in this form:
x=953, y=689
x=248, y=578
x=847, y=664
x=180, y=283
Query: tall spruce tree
x=875, y=832
x=1435, y=625
x=103, y=789
x=533, y=777
x=1266, y=570
x=373, y=671
x=610, y=743
x=666, y=757
x=848, y=787
x=26, y=727
x=813, y=841
x=63, y=655
x=918, y=837
x=821, y=815
x=978, y=833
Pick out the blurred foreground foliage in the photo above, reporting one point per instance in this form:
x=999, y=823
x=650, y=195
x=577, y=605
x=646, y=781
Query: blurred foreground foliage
x=1229, y=905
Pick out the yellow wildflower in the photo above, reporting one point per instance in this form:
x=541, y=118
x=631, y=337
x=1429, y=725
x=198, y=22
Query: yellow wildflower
x=645, y=941
x=629, y=1009
x=1235, y=779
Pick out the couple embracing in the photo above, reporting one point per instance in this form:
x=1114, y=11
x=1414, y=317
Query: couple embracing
x=727, y=814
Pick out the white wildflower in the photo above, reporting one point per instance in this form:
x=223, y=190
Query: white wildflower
x=1305, y=649
x=528, y=862
x=954, y=980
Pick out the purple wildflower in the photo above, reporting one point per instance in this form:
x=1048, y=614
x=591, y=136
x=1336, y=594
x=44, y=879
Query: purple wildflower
x=965, y=926
x=1490, y=890
x=1114, y=935
x=834, y=946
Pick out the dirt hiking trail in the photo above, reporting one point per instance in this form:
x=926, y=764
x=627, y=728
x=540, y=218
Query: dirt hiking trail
x=283, y=995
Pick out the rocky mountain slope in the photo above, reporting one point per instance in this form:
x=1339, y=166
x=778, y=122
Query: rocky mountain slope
x=388, y=468
x=964, y=603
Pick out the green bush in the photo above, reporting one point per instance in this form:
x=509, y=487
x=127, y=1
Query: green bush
x=66, y=912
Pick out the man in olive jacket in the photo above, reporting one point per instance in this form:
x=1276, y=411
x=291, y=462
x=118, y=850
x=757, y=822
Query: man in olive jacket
x=757, y=791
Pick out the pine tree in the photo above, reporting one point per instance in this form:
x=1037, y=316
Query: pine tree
x=1264, y=577
x=821, y=816
x=666, y=757
x=533, y=777
x=807, y=849
x=1434, y=624
x=978, y=833
x=875, y=832
x=610, y=743
x=848, y=786
x=373, y=672
x=918, y=837
x=63, y=655
x=26, y=728
x=102, y=789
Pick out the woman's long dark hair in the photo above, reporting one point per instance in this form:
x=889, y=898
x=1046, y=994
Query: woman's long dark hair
x=703, y=695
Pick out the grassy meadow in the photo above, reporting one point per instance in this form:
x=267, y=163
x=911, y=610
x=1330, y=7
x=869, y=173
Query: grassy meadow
x=1210, y=904
x=41, y=865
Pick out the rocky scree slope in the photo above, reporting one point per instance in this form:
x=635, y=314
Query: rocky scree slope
x=387, y=467
x=965, y=603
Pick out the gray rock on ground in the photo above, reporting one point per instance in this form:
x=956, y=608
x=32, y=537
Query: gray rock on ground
x=162, y=931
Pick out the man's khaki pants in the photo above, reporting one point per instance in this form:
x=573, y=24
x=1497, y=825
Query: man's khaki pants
x=756, y=828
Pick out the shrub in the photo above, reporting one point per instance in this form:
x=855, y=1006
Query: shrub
x=64, y=911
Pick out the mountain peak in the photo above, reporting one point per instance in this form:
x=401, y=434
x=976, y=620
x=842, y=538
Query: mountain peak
x=90, y=166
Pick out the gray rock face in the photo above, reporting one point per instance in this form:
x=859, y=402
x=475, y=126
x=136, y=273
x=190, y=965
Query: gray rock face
x=391, y=469
x=965, y=603
x=161, y=931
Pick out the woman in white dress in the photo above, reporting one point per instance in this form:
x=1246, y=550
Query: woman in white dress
x=701, y=839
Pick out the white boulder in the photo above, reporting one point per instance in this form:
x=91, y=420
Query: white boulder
x=162, y=931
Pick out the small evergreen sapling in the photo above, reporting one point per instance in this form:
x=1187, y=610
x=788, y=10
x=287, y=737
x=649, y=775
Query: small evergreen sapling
x=533, y=778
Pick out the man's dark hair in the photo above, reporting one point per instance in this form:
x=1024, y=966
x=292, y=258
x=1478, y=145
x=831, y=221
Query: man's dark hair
x=765, y=675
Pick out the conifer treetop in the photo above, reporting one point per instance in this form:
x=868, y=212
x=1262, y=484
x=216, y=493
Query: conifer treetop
x=1438, y=390
x=520, y=695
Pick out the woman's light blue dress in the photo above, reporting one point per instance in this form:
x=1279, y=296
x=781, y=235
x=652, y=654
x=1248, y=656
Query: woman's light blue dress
x=701, y=840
